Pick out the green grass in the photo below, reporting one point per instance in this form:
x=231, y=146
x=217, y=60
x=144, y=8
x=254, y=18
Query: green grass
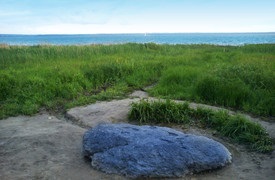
x=235, y=127
x=237, y=77
x=60, y=77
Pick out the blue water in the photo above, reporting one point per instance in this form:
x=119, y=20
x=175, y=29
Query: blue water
x=175, y=38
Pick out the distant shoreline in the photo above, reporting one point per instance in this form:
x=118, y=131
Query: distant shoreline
x=234, y=39
x=148, y=33
x=3, y=45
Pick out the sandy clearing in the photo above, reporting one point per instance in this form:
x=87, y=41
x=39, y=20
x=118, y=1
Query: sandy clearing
x=45, y=147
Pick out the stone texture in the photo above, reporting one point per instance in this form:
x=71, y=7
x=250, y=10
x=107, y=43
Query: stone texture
x=151, y=151
x=102, y=112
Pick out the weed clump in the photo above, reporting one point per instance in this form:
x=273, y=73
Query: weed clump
x=235, y=127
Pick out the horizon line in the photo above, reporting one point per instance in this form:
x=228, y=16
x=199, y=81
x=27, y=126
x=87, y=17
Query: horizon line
x=38, y=34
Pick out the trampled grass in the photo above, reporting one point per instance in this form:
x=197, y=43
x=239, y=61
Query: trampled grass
x=59, y=77
x=235, y=127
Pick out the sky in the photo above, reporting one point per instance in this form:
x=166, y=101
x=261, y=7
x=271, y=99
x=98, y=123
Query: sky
x=135, y=16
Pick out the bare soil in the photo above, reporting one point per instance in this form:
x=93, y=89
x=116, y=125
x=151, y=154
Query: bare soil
x=49, y=147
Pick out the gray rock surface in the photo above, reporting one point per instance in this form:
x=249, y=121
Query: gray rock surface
x=151, y=151
x=101, y=112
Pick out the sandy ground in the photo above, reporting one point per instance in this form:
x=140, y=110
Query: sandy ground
x=47, y=147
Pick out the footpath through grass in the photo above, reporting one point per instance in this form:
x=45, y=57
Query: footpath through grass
x=235, y=127
x=60, y=77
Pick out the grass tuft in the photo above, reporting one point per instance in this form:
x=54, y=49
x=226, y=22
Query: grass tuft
x=235, y=127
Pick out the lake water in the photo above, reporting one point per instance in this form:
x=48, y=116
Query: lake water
x=169, y=38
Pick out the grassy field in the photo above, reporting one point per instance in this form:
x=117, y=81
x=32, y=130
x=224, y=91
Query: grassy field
x=60, y=77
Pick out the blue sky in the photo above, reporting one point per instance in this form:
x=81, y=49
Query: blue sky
x=135, y=16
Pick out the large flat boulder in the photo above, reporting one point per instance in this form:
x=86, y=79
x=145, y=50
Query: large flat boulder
x=151, y=151
x=101, y=112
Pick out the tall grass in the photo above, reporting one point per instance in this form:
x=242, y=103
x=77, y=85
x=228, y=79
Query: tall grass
x=242, y=78
x=235, y=127
x=59, y=77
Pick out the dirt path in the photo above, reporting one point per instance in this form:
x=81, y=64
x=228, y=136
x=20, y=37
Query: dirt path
x=45, y=147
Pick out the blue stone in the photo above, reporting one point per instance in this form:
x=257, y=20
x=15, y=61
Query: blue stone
x=151, y=151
